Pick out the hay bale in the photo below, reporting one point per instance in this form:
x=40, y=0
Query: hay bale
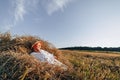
x=17, y=64
x=22, y=44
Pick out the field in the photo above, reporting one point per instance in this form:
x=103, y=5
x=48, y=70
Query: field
x=17, y=64
x=95, y=65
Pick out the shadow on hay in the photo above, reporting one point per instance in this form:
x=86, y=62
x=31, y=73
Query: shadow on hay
x=16, y=63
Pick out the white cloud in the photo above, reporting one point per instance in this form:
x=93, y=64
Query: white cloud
x=22, y=7
x=16, y=14
x=19, y=10
x=54, y=5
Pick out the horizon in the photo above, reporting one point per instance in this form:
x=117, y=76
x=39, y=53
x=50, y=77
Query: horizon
x=89, y=47
x=64, y=23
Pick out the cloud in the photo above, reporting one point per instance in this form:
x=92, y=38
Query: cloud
x=20, y=10
x=54, y=5
x=23, y=7
x=16, y=14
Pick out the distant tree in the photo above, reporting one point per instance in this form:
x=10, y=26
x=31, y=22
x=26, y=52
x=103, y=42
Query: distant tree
x=93, y=48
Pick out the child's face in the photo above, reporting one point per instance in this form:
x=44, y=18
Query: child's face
x=37, y=47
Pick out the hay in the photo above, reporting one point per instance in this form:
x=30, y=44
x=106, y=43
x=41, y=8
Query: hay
x=17, y=64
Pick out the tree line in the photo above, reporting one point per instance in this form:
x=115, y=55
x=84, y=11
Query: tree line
x=93, y=48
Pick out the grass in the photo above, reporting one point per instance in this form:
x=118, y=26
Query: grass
x=95, y=65
x=17, y=64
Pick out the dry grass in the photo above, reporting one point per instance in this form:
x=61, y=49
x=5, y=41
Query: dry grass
x=95, y=65
x=17, y=64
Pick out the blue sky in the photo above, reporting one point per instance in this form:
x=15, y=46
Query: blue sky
x=64, y=23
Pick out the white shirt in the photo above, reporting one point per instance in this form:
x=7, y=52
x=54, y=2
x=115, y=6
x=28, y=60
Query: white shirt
x=45, y=56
